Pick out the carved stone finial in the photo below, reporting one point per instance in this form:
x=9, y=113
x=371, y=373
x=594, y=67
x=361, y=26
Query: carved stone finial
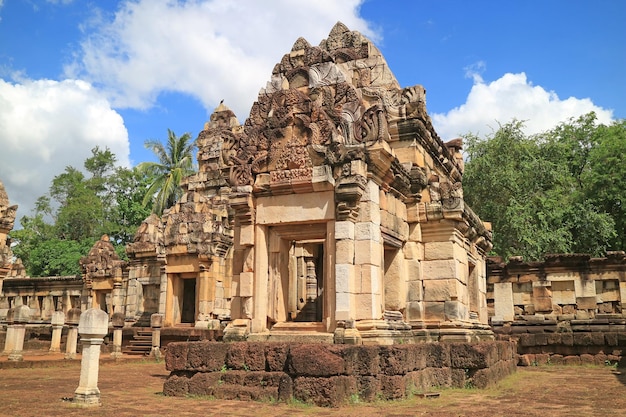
x=300, y=44
x=222, y=118
x=338, y=30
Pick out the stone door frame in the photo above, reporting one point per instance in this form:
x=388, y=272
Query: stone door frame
x=275, y=241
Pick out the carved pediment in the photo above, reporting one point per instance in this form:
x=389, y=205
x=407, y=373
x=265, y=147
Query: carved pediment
x=102, y=262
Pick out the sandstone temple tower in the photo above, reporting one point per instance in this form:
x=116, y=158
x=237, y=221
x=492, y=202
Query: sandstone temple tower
x=334, y=213
x=8, y=267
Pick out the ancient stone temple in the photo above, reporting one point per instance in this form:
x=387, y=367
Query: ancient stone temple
x=335, y=213
x=8, y=267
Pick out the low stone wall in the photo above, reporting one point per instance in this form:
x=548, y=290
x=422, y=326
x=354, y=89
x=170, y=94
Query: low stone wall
x=572, y=342
x=328, y=375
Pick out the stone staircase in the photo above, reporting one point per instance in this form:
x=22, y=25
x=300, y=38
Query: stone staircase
x=140, y=344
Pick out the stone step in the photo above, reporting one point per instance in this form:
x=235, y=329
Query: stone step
x=140, y=344
x=295, y=326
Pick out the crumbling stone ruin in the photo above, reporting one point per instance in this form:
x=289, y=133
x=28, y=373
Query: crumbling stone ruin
x=566, y=309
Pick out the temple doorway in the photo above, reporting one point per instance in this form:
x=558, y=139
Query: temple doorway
x=306, y=280
x=298, y=270
x=188, y=301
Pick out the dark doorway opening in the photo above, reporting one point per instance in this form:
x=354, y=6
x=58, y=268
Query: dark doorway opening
x=311, y=283
x=188, y=313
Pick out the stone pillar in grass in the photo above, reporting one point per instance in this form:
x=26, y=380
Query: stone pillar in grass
x=57, y=321
x=117, y=320
x=156, y=322
x=92, y=327
x=73, y=317
x=21, y=316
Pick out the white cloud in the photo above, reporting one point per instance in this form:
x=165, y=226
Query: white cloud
x=512, y=96
x=212, y=50
x=47, y=125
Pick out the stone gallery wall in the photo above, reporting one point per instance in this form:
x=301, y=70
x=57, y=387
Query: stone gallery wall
x=567, y=309
x=328, y=375
x=574, y=342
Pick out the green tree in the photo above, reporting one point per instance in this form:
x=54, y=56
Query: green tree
x=77, y=211
x=34, y=231
x=80, y=213
x=175, y=162
x=532, y=189
x=605, y=180
x=128, y=210
x=56, y=257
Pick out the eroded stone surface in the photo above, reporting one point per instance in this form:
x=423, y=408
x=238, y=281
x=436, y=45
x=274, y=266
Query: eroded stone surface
x=330, y=375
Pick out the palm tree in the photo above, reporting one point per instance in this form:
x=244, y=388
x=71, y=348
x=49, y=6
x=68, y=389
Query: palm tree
x=175, y=163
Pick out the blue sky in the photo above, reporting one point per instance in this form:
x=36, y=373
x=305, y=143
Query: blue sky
x=78, y=74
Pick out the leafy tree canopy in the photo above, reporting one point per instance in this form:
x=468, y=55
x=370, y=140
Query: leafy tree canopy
x=175, y=162
x=556, y=192
x=77, y=211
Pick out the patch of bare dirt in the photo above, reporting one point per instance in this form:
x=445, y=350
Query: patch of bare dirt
x=135, y=389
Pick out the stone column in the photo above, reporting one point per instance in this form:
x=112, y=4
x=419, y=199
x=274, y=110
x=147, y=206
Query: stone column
x=116, y=293
x=118, y=325
x=9, y=339
x=156, y=322
x=93, y=326
x=73, y=317
x=57, y=321
x=20, y=318
x=311, y=290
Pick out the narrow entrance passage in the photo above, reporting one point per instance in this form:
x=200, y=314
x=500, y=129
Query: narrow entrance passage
x=188, y=308
x=309, y=281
